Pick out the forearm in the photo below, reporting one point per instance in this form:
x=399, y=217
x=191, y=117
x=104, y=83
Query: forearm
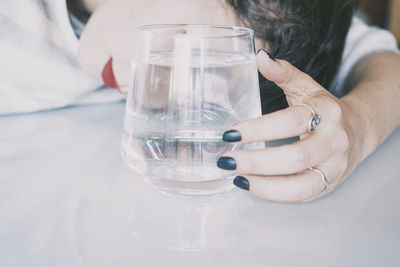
x=375, y=99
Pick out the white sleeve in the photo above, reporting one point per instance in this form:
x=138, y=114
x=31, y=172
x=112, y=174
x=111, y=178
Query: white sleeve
x=362, y=40
x=39, y=69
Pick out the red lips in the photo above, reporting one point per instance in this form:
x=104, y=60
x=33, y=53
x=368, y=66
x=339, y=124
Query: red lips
x=108, y=75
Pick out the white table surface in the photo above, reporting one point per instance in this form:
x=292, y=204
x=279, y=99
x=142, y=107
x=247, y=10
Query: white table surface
x=67, y=199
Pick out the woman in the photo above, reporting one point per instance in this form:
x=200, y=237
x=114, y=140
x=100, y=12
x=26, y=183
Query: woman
x=309, y=34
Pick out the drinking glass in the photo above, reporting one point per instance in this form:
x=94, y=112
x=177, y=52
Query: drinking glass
x=188, y=84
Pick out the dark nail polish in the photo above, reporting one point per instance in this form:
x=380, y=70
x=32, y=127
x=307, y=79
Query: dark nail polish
x=231, y=136
x=265, y=51
x=226, y=163
x=241, y=182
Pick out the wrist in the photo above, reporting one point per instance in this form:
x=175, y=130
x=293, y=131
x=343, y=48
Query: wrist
x=360, y=125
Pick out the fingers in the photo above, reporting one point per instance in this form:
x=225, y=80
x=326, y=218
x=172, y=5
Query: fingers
x=289, y=122
x=105, y=51
x=279, y=160
x=122, y=73
x=286, y=167
x=295, y=83
x=92, y=56
x=302, y=187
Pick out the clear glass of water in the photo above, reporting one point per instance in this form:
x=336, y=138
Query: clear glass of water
x=188, y=84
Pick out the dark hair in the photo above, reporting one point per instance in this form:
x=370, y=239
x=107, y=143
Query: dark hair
x=310, y=34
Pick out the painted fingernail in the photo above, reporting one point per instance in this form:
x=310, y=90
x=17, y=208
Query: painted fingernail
x=231, y=136
x=266, y=52
x=108, y=75
x=226, y=163
x=242, y=183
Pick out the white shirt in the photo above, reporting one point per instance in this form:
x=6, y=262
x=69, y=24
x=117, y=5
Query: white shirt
x=39, y=68
x=362, y=40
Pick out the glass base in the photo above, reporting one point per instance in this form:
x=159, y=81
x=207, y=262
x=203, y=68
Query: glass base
x=184, y=188
x=206, y=188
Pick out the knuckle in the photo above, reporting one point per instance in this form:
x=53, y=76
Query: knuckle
x=302, y=159
x=343, y=140
x=308, y=78
x=287, y=73
x=334, y=109
x=299, y=193
x=244, y=162
x=341, y=170
x=251, y=167
x=305, y=194
x=248, y=130
x=342, y=165
x=300, y=120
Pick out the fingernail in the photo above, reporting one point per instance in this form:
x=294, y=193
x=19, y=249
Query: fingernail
x=242, y=183
x=226, y=163
x=266, y=52
x=231, y=136
x=108, y=75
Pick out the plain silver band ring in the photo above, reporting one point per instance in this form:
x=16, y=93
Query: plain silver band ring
x=323, y=177
x=315, y=119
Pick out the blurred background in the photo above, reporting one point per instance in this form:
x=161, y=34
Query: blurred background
x=382, y=13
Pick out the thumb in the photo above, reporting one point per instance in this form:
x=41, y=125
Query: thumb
x=295, y=83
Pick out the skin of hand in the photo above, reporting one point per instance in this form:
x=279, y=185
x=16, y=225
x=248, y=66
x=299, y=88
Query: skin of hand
x=351, y=129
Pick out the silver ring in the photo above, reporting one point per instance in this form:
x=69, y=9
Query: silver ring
x=315, y=119
x=323, y=177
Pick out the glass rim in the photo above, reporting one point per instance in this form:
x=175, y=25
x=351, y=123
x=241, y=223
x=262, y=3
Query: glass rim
x=236, y=31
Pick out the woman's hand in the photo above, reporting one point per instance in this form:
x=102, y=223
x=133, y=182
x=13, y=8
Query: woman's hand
x=282, y=173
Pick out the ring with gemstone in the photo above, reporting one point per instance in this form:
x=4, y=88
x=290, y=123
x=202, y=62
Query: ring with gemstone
x=315, y=119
